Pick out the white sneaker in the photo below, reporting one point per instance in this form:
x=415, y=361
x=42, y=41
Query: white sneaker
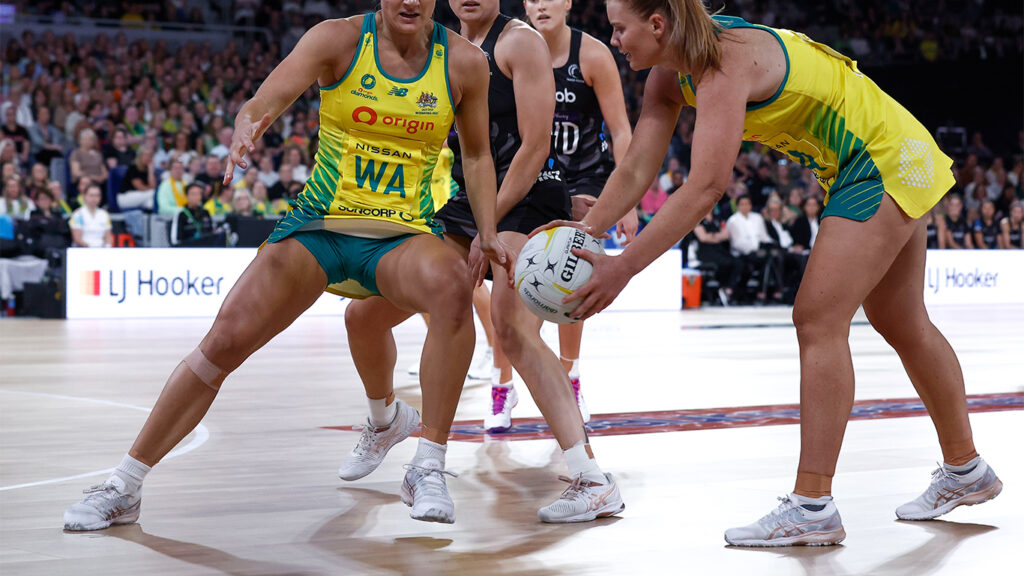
x=375, y=442
x=791, y=525
x=583, y=501
x=503, y=400
x=103, y=505
x=949, y=490
x=425, y=491
x=579, y=399
x=481, y=367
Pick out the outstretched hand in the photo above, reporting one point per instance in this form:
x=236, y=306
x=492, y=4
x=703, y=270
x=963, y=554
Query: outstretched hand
x=609, y=277
x=570, y=223
x=243, y=142
x=482, y=253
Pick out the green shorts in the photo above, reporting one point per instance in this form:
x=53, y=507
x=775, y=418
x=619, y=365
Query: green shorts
x=350, y=262
x=857, y=191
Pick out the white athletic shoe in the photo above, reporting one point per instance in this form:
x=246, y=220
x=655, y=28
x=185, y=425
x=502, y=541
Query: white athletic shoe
x=583, y=501
x=375, y=442
x=949, y=490
x=503, y=400
x=425, y=491
x=579, y=399
x=103, y=505
x=791, y=525
x=481, y=367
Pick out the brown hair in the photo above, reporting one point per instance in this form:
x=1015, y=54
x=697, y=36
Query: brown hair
x=694, y=34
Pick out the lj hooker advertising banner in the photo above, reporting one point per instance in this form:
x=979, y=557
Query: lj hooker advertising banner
x=192, y=282
x=974, y=277
x=159, y=282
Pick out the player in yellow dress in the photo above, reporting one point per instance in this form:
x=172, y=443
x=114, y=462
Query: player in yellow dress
x=391, y=85
x=882, y=171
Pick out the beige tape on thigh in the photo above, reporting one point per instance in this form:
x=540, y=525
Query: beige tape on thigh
x=205, y=370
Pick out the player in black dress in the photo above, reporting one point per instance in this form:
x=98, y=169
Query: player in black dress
x=590, y=133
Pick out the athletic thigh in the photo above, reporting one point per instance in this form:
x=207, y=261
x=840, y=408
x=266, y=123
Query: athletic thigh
x=280, y=284
x=848, y=260
x=420, y=270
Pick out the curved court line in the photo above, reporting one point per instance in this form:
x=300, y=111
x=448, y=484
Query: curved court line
x=202, y=434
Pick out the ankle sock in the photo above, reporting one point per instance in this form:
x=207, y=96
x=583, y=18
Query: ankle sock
x=132, y=473
x=579, y=461
x=811, y=504
x=430, y=454
x=382, y=413
x=964, y=468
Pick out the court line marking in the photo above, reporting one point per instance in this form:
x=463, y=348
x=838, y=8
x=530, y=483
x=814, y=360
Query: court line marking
x=200, y=436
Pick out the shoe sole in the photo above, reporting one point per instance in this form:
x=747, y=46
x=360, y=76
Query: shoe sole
x=589, y=516
x=970, y=500
x=830, y=538
x=402, y=435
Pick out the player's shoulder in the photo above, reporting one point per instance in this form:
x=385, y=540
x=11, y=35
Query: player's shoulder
x=520, y=35
x=337, y=31
x=464, y=57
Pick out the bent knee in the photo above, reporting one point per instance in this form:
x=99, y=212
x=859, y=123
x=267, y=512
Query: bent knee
x=900, y=328
x=816, y=319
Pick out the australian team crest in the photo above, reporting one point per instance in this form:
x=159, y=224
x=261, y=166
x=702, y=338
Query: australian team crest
x=427, y=102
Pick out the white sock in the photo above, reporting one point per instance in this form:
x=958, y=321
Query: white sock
x=811, y=504
x=380, y=413
x=496, y=379
x=963, y=468
x=580, y=462
x=430, y=454
x=132, y=473
x=574, y=372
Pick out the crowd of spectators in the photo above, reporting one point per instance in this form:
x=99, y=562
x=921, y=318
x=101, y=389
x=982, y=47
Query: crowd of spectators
x=145, y=126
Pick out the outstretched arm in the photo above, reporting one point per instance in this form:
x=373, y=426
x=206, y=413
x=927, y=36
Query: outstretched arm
x=634, y=173
x=721, y=103
x=470, y=78
x=323, y=53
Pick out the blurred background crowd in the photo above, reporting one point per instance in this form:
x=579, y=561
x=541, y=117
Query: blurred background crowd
x=116, y=117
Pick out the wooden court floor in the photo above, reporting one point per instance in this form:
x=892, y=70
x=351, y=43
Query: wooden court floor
x=254, y=491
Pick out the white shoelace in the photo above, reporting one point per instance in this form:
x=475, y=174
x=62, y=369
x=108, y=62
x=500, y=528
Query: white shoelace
x=105, y=491
x=777, y=515
x=433, y=479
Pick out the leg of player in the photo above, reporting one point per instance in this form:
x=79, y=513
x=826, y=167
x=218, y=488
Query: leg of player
x=591, y=493
x=504, y=396
x=569, y=338
x=480, y=369
x=369, y=323
x=424, y=275
x=281, y=282
x=896, y=309
x=850, y=259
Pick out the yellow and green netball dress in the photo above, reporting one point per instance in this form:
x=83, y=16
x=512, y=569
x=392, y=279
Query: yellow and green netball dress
x=858, y=141
x=369, y=190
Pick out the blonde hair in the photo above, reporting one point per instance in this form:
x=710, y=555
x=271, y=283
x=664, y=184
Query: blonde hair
x=694, y=34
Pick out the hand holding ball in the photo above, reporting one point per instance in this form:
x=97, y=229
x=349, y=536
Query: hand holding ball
x=547, y=271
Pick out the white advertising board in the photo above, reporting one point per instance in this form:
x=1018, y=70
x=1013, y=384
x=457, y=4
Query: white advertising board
x=974, y=277
x=160, y=282
x=192, y=282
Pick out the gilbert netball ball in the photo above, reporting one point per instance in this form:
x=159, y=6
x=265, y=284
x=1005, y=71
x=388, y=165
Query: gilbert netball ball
x=547, y=271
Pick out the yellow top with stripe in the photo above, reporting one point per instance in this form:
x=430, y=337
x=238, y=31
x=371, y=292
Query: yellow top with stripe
x=380, y=138
x=832, y=119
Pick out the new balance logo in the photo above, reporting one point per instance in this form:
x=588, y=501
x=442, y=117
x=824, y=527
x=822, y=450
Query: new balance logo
x=396, y=91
